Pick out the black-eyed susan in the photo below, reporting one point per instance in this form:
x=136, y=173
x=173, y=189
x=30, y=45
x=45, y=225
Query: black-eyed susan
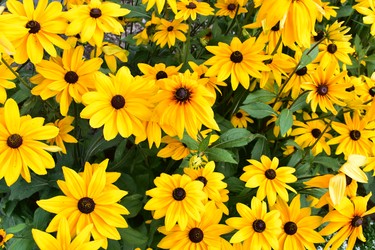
x=192, y=8
x=175, y=149
x=67, y=78
x=240, y=119
x=366, y=90
x=63, y=239
x=326, y=89
x=333, y=53
x=270, y=179
x=120, y=103
x=160, y=4
x=87, y=201
x=298, y=225
x=346, y=222
x=168, y=31
x=178, y=198
x=94, y=19
x=308, y=132
x=8, y=24
x=146, y=35
x=257, y=228
x=229, y=8
x=237, y=60
x=21, y=147
x=111, y=52
x=369, y=14
x=354, y=135
x=4, y=237
x=44, y=24
x=204, y=234
x=158, y=71
x=5, y=79
x=183, y=103
x=280, y=66
x=336, y=32
x=65, y=127
x=213, y=183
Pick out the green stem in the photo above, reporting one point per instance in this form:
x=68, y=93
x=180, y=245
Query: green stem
x=233, y=21
x=16, y=74
x=186, y=47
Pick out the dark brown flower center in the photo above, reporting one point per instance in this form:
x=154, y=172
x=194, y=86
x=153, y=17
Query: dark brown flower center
x=191, y=5
x=118, y=101
x=231, y=7
x=86, y=205
x=71, y=77
x=170, y=28
x=259, y=226
x=269, y=61
x=332, y=48
x=202, y=179
x=1, y=239
x=270, y=174
x=302, y=71
x=14, y=141
x=95, y=13
x=179, y=194
x=322, y=89
x=290, y=228
x=319, y=36
x=276, y=27
x=355, y=135
x=348, y=180
x=239, y=115
x=33, y=27
x=372, y=91
x=161, y=75
x=316, y=132
x=236, y=57
x=352, y=88
x=182, y=94
x=357, y=221
x=196, y=235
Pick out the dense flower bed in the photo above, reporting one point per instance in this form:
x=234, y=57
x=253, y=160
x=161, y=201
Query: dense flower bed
x=228, y=124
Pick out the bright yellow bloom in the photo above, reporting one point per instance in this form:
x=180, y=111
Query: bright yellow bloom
x=203, y=234
x=4, y=237
x=65, y=127
x=5, y=77
x=257, y=228
x=229, y=8
x=333, y=53
x=167, y=32
x=346, y=222
x=237, y=60
x=160, y=4
x=21, y=147
x=67, y=78
x=298, y=225
x=190, y=8
x=240, y=119
x=174, y=149
x=369, y=14
x=158, y=71
x=63, y=239
x=269, y=178
x=111, y=53
x=178, y=198
x=91, y=21
x=280, y=66
x=43, y=25
x=88, y=200
x=120, y=104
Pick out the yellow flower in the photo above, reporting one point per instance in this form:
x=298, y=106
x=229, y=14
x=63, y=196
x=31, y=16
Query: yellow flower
x=190, y=8
x=229, y=8
x=160, y=4
x=257, y=228
x=174, y=149
x=178, y=198
x=369, y=14
x=67, y=78
x=333, y=53
x=43, y=25
x=63, y=239
x=111, y=53
x=65, y=127
x=238, y=60
x=347, y=222
x=240, y=119
x=168, y=32
x=91, y=21
x=21, y=147
x=120, y=104
x=158, y=71
x=269, y=178
x=203, y=234
x=4, y=237
x=87, y=201
x=5, y=76
x=298, y=225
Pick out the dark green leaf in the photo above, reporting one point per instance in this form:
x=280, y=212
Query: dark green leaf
x=133, y=203
x=285, y=121
x=204, y=143
x=258, y=110
x=234, y=184
x=41, y=219
x=133, y=237
x=261, y=147
x=219, y=155
x=299, y=103
x=308, y=55
x=345, y=11
x=136, y=11
x=260, y=95
x=190, y=142
x=235, y=137
x=21, y=189
x=16, y=228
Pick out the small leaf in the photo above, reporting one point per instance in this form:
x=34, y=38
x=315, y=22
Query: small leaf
x=133, y=237
x=285, y=121
x=22, y=190
x=220, y=155
x=308, y=55
x=136, y=11
x=259, y=110
x=190, y=142
x=260, y=95
x=261, y=147
x=299, y=103
x=203, y=145
x=16, y=228
x=235, y=137
x=235, y=185
x=133, y=203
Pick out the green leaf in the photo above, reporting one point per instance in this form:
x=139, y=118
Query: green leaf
x=203, y=145
x=220, y=155
x=328, y=162
x=345, y=11
x=133, y=203
x=16, y=228
x=136, y=11
x=299, y=103
x=285, y=121
x=259, y=110
x=131, y=236
x=235, y=137
x=234, y=184
x=261, y=147
x=308, y=55
x=21, y=189
x=260, y=95
x=189, y=142
x=41, y=219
